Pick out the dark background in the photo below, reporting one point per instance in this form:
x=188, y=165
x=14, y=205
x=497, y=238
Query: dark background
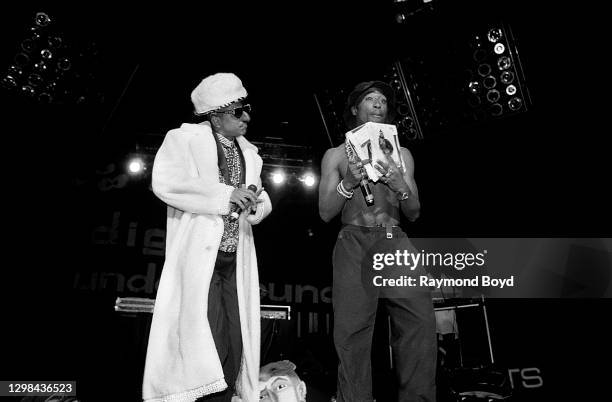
x=540, y=173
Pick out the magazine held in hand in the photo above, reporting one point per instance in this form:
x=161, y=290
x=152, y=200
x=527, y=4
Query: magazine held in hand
x=371, y=142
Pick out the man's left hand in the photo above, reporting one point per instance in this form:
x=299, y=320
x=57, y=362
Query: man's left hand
x=392, y=176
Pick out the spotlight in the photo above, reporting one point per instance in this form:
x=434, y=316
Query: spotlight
x=474, y=87
x=475, y=42
x=495, y=34
x=507, y=77
x=46, y=54
x=42, y=19
x=484, y=69
x=489, y=82
x=278, y=177
x=499, y=48
x=504, y=63
x=136, y=166
x=27, y=45
x=493, y=95
x=515, y=103
x=308, y=179
x=510, y=90
x=403, y=109
x=9, y=82
x=64, y=64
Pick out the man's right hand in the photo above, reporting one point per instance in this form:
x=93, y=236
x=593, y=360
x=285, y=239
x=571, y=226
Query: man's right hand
x=243, y=198
x=353, y=174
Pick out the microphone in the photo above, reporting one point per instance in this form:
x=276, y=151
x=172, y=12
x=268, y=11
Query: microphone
x=367, y=193
x=235, y=214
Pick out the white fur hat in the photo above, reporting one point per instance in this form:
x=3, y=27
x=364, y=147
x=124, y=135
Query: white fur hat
x=217, y=91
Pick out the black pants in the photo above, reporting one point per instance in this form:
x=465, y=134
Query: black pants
x=224, y=319
x=413, y=325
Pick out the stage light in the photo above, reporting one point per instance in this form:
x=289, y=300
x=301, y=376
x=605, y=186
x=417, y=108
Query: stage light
x=474, y=87
x=484, y=69
x=64, y=64
x=498, y=88
x=504, y=63
x=510, y=90
x=495, y=34
x=136, y=166
x=9, y=82
x=46, y=54
x=507, y=77
x=278, y=177
x=308, y=179
x=42, y=19
x=489, y=82
x=499, y=48
x=515, y=103
x=493, y=95
x=27, y=45
x=403, y=109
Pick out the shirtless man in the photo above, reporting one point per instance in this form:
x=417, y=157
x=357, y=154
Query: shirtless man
x=368, y=229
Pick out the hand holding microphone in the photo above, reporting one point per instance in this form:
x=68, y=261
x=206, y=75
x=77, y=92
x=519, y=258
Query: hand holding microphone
x=244, y=199
x=355, y=174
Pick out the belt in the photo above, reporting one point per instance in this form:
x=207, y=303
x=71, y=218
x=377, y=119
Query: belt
x=389, y=229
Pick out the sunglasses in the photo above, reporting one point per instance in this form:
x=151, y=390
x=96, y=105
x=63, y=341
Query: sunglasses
x=237, y=111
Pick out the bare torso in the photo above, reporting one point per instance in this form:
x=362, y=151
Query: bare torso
x=385, y=210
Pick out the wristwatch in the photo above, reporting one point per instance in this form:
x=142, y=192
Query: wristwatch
x=403, y=195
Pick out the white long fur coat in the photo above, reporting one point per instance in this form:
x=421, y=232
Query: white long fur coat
x=182, y=363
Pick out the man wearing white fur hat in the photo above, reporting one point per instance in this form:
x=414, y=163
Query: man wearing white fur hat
x=205, y=333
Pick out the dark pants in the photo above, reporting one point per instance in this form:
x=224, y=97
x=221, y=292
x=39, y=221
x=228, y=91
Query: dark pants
x=413, y=325
x=224, y=319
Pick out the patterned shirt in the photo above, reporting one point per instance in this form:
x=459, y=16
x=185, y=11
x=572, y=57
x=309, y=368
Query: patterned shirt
x=229, y=240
